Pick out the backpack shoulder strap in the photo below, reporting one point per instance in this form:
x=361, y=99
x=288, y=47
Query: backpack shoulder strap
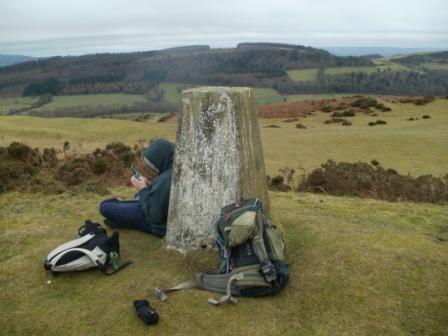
x=258, y=243
x=95, y=259
x=228, y=297
x=161, y=293
x=69, y=245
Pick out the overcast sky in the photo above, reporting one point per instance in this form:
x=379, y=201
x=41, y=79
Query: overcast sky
x=63, y=27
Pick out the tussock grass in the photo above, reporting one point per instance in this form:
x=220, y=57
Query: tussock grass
x=359, y=267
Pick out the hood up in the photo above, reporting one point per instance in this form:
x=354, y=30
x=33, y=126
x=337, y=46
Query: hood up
x=159, y=155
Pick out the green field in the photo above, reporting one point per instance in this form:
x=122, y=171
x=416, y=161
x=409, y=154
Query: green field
x=381, y=64
x=109, y=99
x=387, y=63
x=358, y=267
x=15, y=103
x=319, y=96
x=343, y=70
x=303, y=75
x=417, y=147
x=435, y=66
x=267, y=96
x=173, y=92
x=172, y=95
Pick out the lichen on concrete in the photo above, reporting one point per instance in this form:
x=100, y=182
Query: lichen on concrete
x=218, y=160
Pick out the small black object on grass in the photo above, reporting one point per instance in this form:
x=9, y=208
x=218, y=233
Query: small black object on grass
x=145, y=312
x=272, y=126
x=301, y=126
x=426, y=116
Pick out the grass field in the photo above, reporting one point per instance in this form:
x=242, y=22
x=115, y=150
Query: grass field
x=15, y=103
x=303, y=75
x=267, y=96
x=381, y=64
x=172, y=95
x=343, y=70
x=418, y=147
x=388, y=64
x=302, y=97
x=358, y=267
x=112, y=99
x=435, y=66
x=173, y=92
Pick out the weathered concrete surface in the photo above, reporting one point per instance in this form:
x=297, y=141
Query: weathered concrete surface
x=218, y=160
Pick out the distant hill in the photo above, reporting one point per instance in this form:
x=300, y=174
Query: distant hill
x=6, y=60
x=275, y=66
x=255, y=65
x=383, y=51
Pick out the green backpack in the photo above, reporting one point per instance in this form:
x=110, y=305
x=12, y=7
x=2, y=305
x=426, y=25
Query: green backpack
x=252, y=255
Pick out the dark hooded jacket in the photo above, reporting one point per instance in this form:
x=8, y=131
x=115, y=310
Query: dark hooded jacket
x=155, y=198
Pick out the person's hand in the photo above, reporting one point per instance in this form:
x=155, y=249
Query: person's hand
x=139, y=184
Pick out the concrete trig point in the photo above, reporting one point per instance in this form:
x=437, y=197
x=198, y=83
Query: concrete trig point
x=218, y=160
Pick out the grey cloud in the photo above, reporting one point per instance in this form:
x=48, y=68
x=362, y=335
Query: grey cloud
x=49, y=27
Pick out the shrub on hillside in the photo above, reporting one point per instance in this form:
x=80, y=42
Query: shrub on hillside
x=23, y=168
x=417, y=101
x=368, y=180
x=348, y=113
x=378, y=122
x=277, y=183
x=365, y=103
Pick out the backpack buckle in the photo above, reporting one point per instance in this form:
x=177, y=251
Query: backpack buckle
x=269, y=272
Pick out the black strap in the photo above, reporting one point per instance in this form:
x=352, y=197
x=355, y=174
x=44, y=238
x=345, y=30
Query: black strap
x=90, y=227
x=103, y=268
x=119, y=268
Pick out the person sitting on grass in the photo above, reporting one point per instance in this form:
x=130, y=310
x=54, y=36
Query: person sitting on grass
x=149, y=212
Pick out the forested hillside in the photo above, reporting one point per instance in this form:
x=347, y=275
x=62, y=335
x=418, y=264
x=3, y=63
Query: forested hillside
x=256, y=65
x=262, y=65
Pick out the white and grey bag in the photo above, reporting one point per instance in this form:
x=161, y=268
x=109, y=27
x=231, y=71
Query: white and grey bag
x=92, y=248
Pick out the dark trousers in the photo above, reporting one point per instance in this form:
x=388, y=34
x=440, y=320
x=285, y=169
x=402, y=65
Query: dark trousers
x=124, y=214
